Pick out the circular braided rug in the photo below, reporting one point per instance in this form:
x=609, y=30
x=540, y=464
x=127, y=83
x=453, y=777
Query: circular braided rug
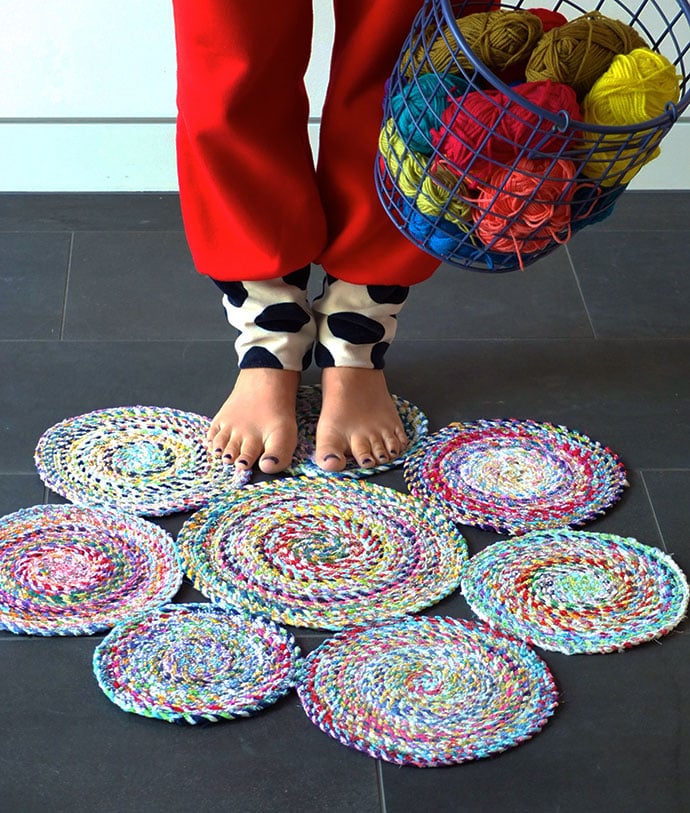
x=414, y=422
x=426, y=691
x=70, y=570
x=142, y=459
x=514, y=476
x=322, y=553
x=573, y=591
x=196, y=662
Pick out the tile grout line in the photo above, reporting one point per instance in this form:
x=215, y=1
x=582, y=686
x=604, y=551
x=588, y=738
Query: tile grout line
x=379, y=782
x=651, y=505
x=582, y=296
x=66, y=289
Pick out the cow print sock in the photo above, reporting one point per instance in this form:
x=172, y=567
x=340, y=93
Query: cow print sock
x=275, y=322
x=356, y=323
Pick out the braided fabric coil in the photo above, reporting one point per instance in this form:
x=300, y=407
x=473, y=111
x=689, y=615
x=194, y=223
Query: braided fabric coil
x=426, y=691
x=515, y=475
x=70, y=570
x=141, y=459
x=414, y=421
x=573, y=591
x=196, y=663
x=322, y=553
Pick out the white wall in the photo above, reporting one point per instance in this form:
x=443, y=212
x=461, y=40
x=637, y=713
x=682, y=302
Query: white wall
x=88, y=97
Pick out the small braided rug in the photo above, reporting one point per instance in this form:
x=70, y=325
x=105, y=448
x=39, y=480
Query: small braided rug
x=322, y=553
x=141, y=459
x=196, y=662
x=514, y=476
x=70, y=570
x=426, y=691
x=414, y=422
x=572, y=591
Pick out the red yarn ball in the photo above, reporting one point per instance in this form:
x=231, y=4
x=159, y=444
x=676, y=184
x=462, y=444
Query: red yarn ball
x=527, y=208
x=486, y=129
x=549, y=19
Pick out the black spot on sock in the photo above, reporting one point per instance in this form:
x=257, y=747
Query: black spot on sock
x=235, y=292
x=284, y=317
x=259, y=357
x=306, y=359
x=322, y=356
x=388, y=294
x=355, y=328
x=378, y=351
x=299, y=278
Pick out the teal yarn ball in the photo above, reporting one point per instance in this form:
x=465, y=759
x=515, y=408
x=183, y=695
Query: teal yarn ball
x=418, y=107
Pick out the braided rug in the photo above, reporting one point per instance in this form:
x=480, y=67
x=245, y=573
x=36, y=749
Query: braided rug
x=196, y=662
x=513, y=476
x=426, y=691
x=70, y=570
x=414, y=422
x=573, y=591
x=141, y=459
x=322, y=553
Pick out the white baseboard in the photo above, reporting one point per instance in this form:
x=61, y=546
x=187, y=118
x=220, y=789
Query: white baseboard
x=139, y=156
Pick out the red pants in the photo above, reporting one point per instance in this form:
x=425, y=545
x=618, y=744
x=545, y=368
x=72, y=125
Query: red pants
x=254, y=206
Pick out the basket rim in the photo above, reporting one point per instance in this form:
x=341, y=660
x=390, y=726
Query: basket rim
x=562, y=120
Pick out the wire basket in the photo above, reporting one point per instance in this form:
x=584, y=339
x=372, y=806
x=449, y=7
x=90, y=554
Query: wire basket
x=483, y=173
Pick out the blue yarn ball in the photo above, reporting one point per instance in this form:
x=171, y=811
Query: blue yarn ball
x=583, y=213
x=418, y=108
x=445, y=239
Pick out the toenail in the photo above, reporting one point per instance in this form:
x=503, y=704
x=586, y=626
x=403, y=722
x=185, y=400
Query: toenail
x=270, y=457
x=394, y=451
x=383, y=457
x=366, y=461
x=243, y=461
x=331, y=457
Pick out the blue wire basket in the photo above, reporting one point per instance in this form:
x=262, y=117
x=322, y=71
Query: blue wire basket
x=456, y=211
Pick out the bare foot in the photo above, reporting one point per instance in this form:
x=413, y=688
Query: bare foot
x=358, y=418
x=257, y=422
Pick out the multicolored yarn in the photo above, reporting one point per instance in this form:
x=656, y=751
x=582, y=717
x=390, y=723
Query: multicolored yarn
x=322, y=553
x=427, y=691
x=492, y=128
x=515, y=476
x=572, y=591
x=140, y=459
x=414, y=421
x=637, y=87
x=70, y=570
x=580, y=51
x=196, y=663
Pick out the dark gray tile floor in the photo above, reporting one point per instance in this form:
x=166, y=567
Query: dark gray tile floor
x=100, y=306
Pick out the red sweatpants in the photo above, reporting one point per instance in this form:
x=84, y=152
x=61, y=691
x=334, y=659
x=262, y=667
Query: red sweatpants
x=254, y=206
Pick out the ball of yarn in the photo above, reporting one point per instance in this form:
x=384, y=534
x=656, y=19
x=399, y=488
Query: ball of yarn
x=405, y=166
x=418, y=107
x=490, y=128
x=549, y=18
x=580, y=51
x=636, y=88
x=527, y=208
x=441, y=194
x=498, y=38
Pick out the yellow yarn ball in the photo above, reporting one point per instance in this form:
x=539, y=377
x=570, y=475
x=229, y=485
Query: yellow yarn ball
x=499, y=39
x=433, y=198
x=406, y=167
x=636, y=88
